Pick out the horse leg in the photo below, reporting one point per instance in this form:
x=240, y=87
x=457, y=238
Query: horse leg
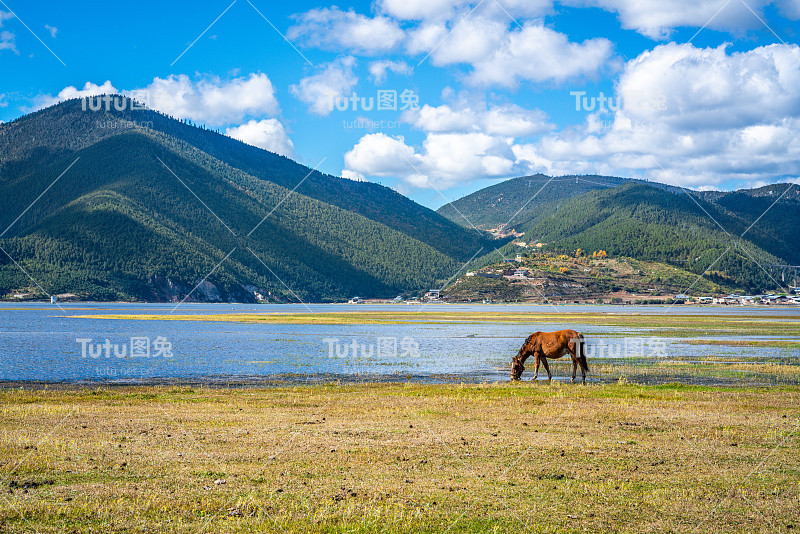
x=547, y=368
x=536, y=371
x=574, y=367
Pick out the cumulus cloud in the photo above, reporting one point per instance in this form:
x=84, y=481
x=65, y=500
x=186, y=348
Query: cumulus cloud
x=378, y=69
x=537, y=53
x=420, y=9
x=464, y=140
x=507, y=120
x=7, y=39
x=427, y=10
x=268, y=134
x=503, y=53
x=500, y=52
x=789, y=9
x=89, y=89
x=657, y=18
x=699, y=117
x=726, y=117
x=214, y=101
x=320, y=90
x=334, y=29
x=446, y=159
x=8, y=42
x=486, y=36
x=52, y=29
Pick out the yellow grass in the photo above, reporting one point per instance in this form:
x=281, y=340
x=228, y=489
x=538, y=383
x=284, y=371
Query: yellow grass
x=401, y=458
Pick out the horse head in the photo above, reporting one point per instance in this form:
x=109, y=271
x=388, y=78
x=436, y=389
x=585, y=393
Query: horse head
x=516, y=367
x=518, y=362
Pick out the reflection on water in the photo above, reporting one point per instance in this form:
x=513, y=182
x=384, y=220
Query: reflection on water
x=39, y=343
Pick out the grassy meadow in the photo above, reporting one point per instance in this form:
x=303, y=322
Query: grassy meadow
x=505, y=457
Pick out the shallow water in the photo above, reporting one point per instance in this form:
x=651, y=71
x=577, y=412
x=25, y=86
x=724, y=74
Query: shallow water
x=39, y=343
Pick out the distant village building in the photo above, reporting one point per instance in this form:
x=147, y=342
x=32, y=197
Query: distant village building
x=54, y=299
x=355, y=300
x=433, y=294
x=518, y=259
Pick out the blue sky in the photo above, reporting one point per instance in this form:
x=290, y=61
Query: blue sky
x=706, y=93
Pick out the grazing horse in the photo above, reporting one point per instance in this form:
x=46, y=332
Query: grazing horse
x=543, y=345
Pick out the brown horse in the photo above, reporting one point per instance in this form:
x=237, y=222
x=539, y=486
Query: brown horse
x=543, y=345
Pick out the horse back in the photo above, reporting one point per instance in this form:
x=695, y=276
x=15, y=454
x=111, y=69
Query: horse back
x=556, y=344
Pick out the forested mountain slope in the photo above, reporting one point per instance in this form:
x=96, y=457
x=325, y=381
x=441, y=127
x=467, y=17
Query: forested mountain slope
x=120, y=225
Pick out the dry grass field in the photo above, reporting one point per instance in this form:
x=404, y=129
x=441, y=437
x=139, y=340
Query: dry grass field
x=505, y=457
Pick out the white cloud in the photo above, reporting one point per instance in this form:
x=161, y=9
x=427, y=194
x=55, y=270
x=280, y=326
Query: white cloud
x=426, y=37
x=727, y=117
x=214, y=101
x=464, y=140
x=7, y=39
x=320, y=90
x=334, y=29
x=704, y=117
x=420, y=9
x=657, y=18
x=789, y=8
x=211, y=101
x=52, y=29
x=471, y=40
x=378, y=69
x=89, y=89
x=507, y=120
x=500, y=48
x=444, y=161
x=8, y=42
x=379, y=155
x=428, y=10
x=351, y=175
x=537, y=53
x=500, y=52
x=268, y=134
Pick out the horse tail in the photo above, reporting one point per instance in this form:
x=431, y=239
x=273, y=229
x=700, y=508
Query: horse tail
x=582, y=357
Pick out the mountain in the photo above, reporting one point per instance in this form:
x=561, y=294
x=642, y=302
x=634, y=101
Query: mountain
x=727, y=236
x=151, y=208
x=514, y=202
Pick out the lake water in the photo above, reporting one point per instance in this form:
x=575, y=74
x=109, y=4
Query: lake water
x=40, y=343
